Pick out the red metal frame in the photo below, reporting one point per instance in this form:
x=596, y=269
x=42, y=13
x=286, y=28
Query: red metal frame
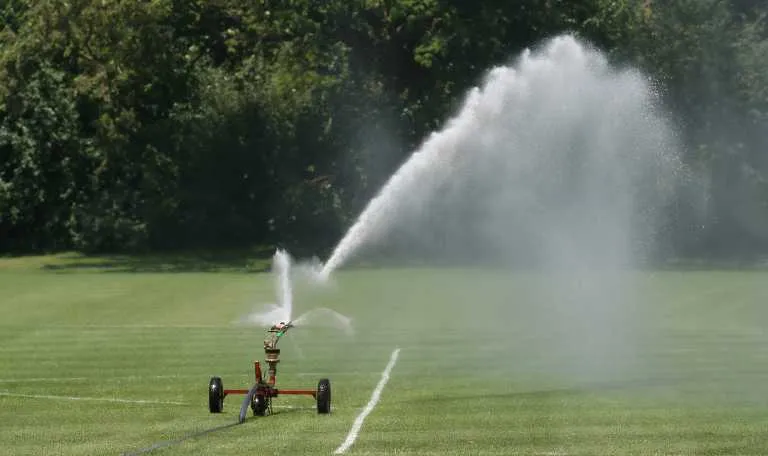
x=268, y=388
x=312, y=393
x=235, y=391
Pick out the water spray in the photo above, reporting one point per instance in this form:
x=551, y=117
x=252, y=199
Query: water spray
x=282, y=310
x=560, y=162
x=569, y=147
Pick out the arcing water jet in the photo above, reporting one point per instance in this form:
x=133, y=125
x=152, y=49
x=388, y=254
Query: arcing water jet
x=560, y=147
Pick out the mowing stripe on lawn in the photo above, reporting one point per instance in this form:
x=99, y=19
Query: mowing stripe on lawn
x=169, y=376
x=102, y=378
x=137, y=326
x=96, y=399
x=355, y=431
x=335, y=374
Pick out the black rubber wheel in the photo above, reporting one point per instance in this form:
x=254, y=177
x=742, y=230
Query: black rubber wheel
x=324, y=396
x=260, y=405
x=215, y=395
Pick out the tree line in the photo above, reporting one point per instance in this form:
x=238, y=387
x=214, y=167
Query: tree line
x=165, y=124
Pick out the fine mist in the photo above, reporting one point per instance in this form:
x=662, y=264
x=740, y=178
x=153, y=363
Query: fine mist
x=559, y=163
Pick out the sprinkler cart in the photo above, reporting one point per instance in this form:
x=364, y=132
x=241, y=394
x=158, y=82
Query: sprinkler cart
x=259, y=397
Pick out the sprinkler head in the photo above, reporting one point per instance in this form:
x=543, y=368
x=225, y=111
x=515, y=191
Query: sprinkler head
x=282, y=326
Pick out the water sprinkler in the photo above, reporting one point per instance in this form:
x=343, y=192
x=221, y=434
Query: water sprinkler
x=259, y=396
x=271, y=352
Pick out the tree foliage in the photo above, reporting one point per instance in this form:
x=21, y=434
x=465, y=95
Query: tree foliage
x=130, y=125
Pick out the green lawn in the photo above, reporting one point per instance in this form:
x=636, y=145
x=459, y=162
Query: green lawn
x=664, y=363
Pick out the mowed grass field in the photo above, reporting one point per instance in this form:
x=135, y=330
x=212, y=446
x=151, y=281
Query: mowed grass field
x=99, y=357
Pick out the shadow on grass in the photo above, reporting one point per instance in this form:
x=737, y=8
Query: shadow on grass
x=704, y=264
x=259, y=260
x=756, y=263
x=247, y=261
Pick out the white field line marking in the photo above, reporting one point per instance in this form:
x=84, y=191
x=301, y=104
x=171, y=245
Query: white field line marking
x=355, y=431
x=292, y=407
x=43, y=379
x=97, y=399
